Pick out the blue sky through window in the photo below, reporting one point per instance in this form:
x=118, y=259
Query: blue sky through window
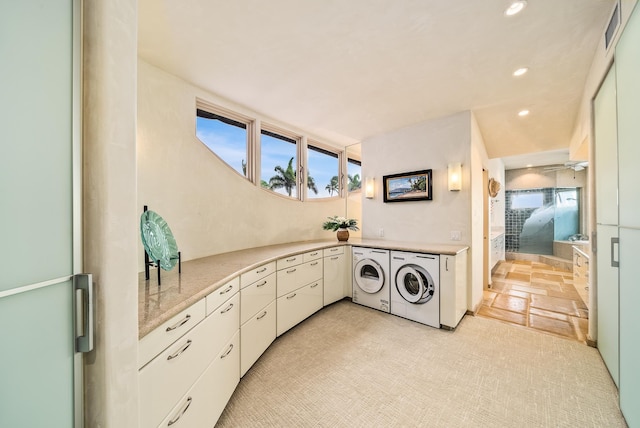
x=277, y=152
x=227, y=141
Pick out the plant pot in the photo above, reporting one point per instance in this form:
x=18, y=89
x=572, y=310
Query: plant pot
x=343, y=234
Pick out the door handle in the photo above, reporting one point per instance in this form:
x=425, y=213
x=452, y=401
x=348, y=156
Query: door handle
x=83, y=286
x=615, y=242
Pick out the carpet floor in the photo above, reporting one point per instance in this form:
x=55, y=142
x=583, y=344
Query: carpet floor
x=351, y=366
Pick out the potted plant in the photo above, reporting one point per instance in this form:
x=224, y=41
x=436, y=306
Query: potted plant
x=342, y=225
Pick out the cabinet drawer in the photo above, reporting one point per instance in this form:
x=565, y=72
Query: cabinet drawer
x=295, y=307
x=256, y=335
x=205, y=401
x=256, y=296
x=294, y=277
x=222, y=294
x=311, y=255
x=252, y=276
x=333, y=251
x=171, y=330
x=227, y=320
x=170, y=375
x=287, y=262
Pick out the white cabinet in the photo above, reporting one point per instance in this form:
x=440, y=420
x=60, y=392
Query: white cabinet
x=257, y=315
x=581, y=274
x=453, y=289
x=176, y=370
x=204, y=402
x=497, y=249
x=298, y=305
x=335, y=274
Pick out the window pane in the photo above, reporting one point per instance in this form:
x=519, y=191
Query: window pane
x=322, y=178
x=279, y=163
x=527, y=200
x=226, y=138
x=354, y=174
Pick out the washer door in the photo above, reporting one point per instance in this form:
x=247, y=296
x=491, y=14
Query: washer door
x=369, y=276
x=414, y=284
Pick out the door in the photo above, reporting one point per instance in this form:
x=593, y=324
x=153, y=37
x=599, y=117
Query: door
x=628, y=105
x=39, y=367
x=606, y=172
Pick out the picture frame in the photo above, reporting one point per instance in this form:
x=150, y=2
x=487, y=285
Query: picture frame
x=408, y=186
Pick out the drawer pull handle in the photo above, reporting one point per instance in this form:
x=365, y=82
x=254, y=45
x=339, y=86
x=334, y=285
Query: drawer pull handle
x=292, y=296
x=262, y=315
x=260, y=285
x=314, y=263
x=291, y=270
x=228, y=352
x=334, y=258
x=291, y=259
x=334, y=249
x=314, y=285
x=314, y=254
x=179, y=323
x=261, y=270
x=182, y=412
x=229, y=288
x=177, y=353
x=227, y=309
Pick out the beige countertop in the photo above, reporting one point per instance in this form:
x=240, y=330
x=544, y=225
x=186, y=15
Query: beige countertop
x=200, y=277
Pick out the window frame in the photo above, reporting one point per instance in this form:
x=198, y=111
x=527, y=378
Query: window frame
x=226, y=116
x=326, y=149
x=293, y=138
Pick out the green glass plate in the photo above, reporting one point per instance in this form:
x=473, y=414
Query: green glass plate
x=158, y=241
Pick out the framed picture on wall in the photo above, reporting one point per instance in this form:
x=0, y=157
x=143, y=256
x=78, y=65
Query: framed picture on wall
x=408, y=186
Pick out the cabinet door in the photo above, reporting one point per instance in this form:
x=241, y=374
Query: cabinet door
x=256, y=336
x=205, y=401
x=334, y=278
x=309, y=272
x=256, y=296
x=298, y=305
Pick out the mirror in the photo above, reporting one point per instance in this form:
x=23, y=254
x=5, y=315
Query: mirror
x=354, y=183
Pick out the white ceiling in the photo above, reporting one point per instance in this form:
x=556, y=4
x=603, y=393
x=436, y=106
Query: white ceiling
x=345, y=70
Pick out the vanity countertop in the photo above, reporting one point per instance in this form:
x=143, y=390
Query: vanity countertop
x=202, y=276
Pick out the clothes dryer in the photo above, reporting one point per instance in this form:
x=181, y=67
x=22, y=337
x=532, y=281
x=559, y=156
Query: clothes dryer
x=371, y=283
x=415, y=288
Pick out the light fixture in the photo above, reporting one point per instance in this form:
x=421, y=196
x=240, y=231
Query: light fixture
x=369, y=188
x=523, y=113
x=519, y=72
x=515, y=7
x=455, y=176
x=529, y=165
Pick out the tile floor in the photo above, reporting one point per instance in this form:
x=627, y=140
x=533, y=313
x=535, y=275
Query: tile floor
x=537, y=296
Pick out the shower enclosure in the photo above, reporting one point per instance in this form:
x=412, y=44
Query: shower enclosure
x=534, y=218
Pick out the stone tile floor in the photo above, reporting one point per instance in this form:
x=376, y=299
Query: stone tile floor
x=537, y=296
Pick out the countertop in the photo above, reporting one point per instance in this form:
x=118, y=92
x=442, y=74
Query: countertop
x=200, y=277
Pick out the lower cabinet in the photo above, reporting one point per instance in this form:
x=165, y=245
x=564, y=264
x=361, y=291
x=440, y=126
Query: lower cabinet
x=335, y=275
x=453, y=289
x=207, y=398
x=298, y=305
x=256, y=335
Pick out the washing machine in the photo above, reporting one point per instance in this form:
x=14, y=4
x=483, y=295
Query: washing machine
x=415, y=287
x=371, y=283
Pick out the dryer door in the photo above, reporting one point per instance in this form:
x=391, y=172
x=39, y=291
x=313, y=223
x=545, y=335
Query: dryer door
x=414, y=284
x=369, y=276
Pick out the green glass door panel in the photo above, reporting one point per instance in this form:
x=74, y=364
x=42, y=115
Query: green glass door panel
x=628, y=96
x=608, y=301
x=36, y=362
x=36, y=132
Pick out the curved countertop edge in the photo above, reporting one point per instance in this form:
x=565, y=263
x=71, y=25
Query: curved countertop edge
x=200, y=277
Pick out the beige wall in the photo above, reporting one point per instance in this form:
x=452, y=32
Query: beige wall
x=534, y=178
x=430, y=145
x=209, y=207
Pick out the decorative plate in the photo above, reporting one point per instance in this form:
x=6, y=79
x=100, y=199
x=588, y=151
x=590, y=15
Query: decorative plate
x=494, y=187
x=158, y=241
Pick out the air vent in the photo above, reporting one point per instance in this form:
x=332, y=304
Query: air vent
x=614, y=23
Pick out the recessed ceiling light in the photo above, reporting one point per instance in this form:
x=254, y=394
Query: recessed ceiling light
x=523, y=113
x=520, y=71
x=515, y=7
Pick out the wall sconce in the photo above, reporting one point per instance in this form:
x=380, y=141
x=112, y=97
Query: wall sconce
x=455, y=176
x=369, y=188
